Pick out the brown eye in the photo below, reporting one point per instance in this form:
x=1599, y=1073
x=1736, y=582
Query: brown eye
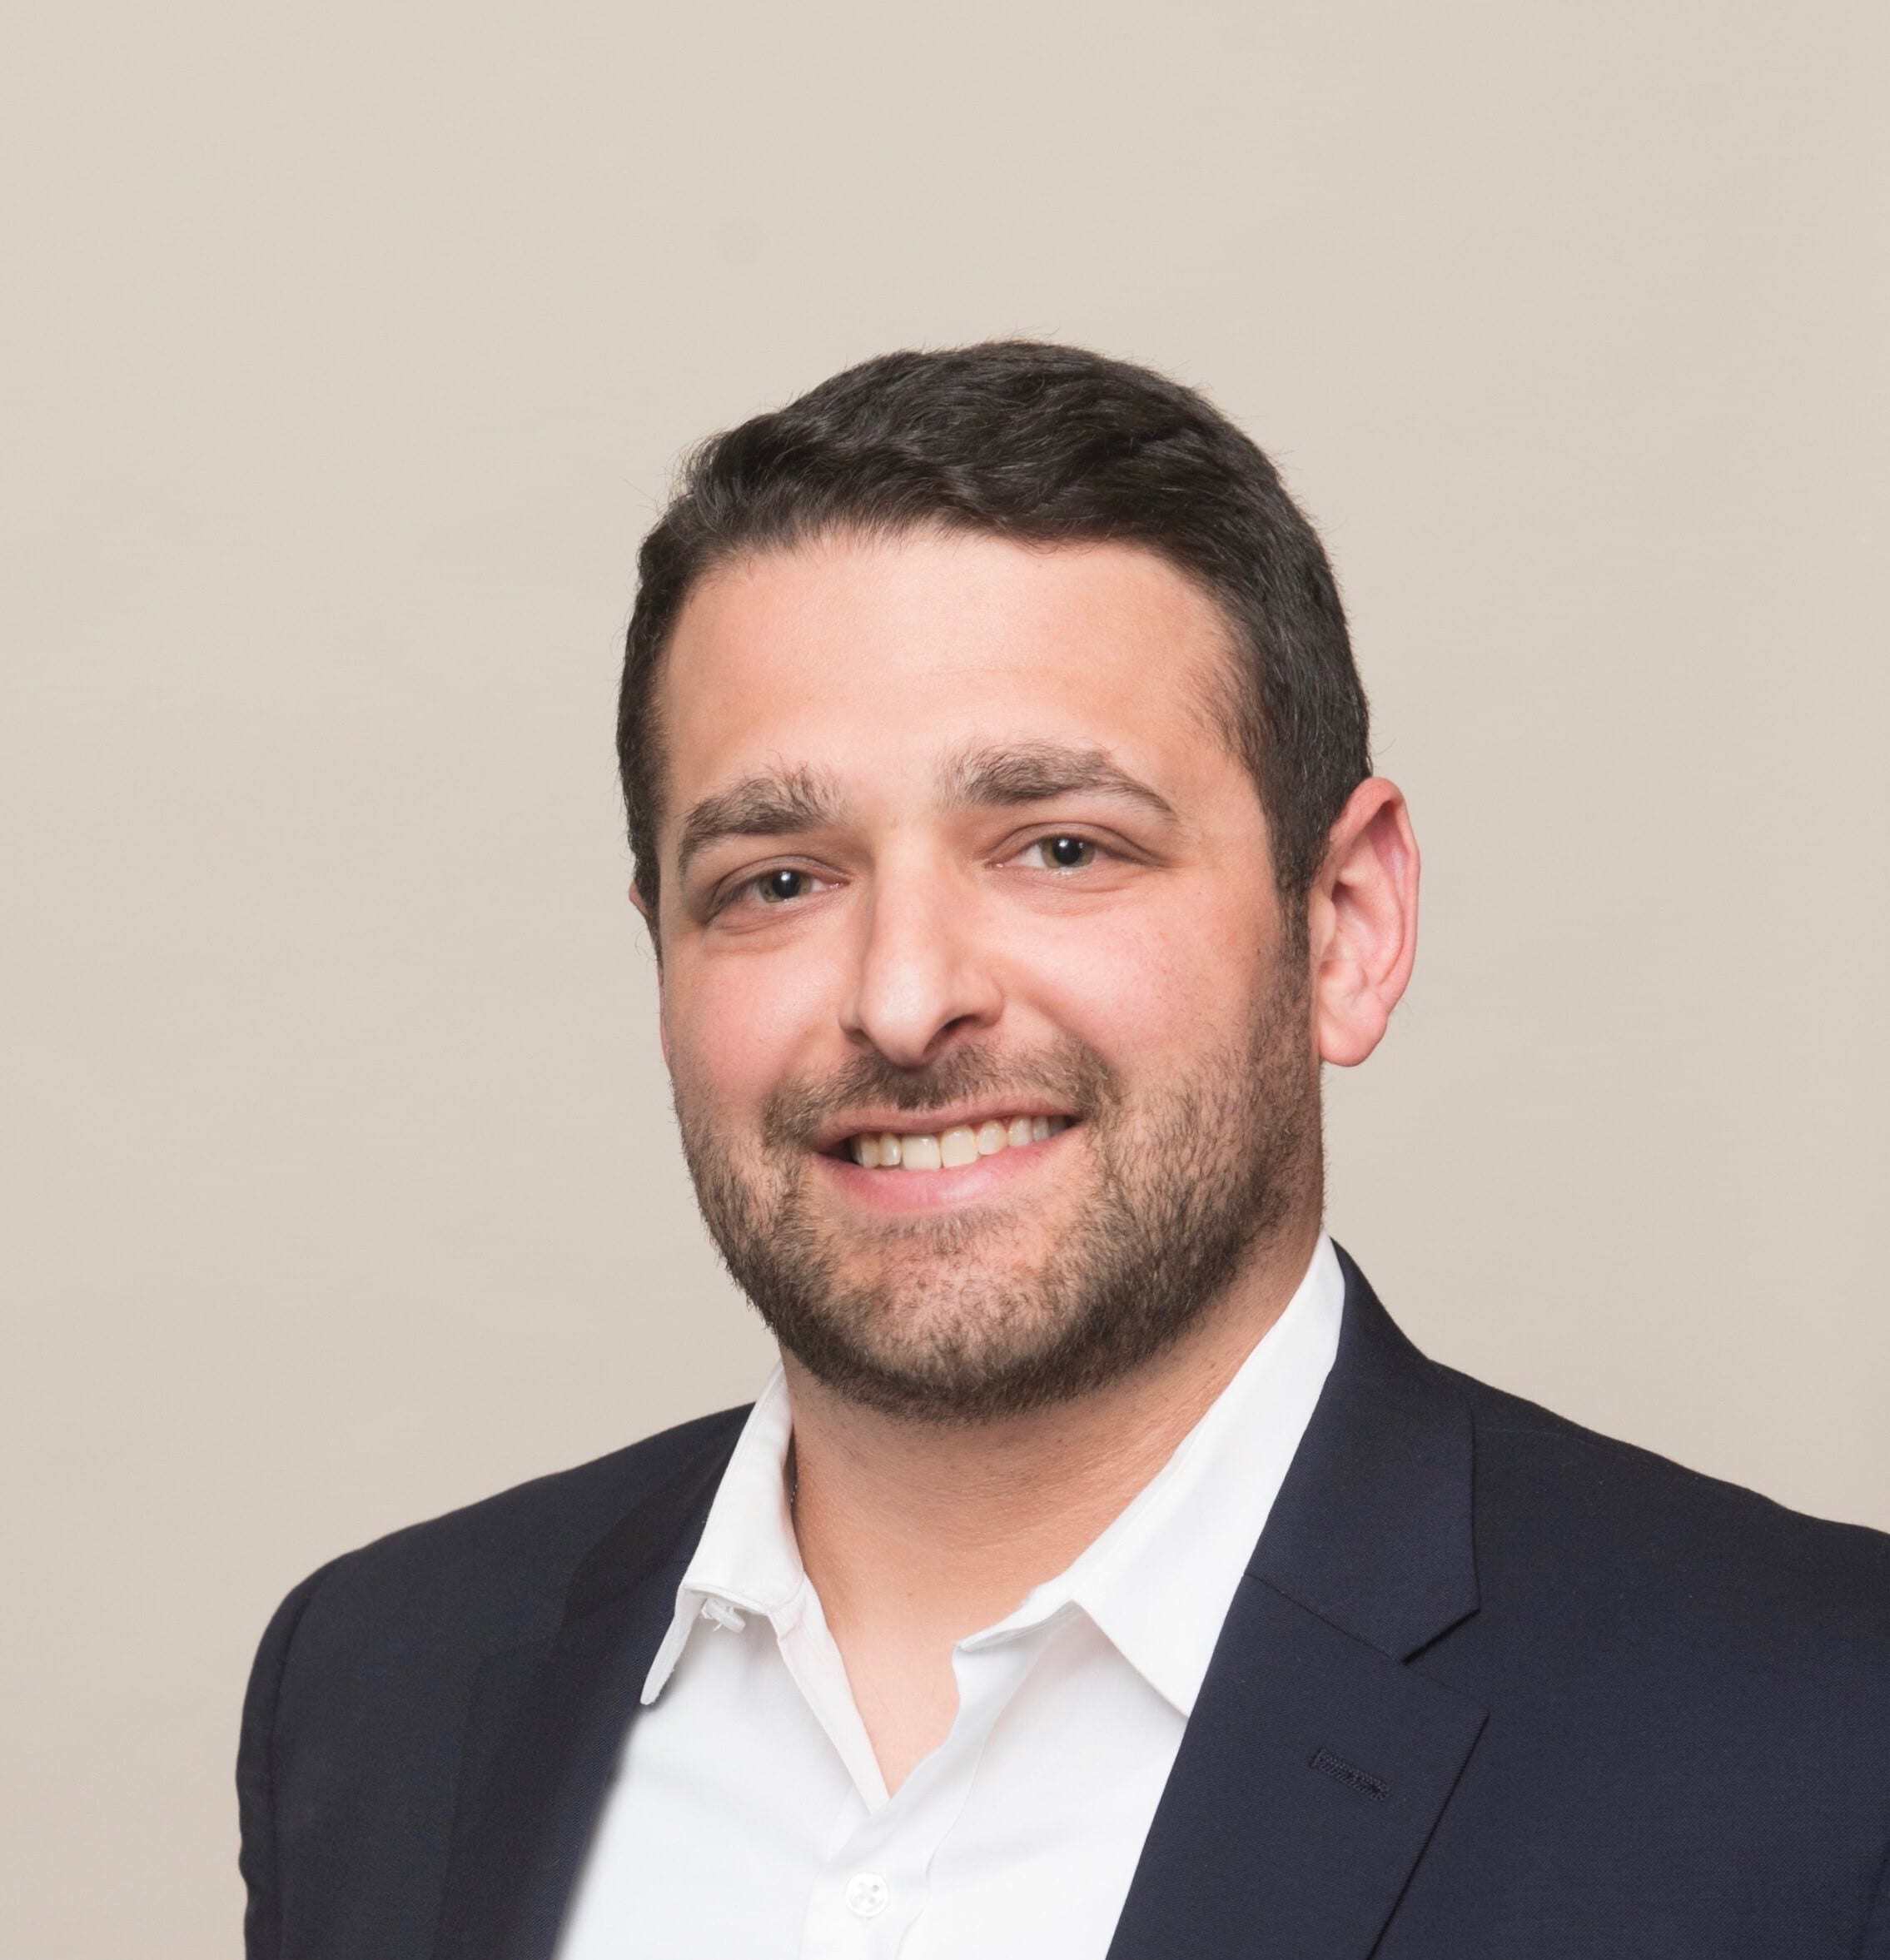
x=1067, y=853
x=781, y=889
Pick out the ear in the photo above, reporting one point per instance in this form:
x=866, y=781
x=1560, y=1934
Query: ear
x=1361, y=919
x=645, y=912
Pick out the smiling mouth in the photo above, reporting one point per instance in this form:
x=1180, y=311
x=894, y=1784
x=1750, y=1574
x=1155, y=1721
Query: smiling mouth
x=947, y=1149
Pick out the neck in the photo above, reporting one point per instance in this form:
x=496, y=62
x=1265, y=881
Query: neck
x=946, y=1527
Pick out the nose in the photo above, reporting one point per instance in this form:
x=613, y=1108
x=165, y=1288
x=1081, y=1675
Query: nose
x=920, y=980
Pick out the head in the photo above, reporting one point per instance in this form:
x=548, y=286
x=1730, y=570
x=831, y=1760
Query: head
x=992, y=750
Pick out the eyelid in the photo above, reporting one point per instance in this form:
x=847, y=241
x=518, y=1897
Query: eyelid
x=731, y=891
x=744, y=887
x=1082, y=833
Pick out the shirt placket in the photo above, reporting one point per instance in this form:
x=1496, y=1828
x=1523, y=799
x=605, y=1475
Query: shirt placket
x=871, y=1891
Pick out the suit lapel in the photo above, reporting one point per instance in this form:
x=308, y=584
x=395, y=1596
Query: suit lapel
x=547, y=1728
x=1317, y=1758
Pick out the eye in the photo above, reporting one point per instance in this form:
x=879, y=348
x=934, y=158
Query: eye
x=1061, y=851
x=782, y=886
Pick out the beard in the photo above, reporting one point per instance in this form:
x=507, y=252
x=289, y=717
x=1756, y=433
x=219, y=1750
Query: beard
x=999, y=1310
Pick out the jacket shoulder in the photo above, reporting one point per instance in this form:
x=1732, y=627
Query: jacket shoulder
x=348, y=1754
x=1585, y=1516
x=496, y=1570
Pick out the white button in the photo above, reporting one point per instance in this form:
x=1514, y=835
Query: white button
x=868, y=1894
x=725, y=1615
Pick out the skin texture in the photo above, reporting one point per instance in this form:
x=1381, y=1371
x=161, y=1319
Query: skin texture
x=982, y=1371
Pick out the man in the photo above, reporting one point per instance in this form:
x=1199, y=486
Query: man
x=1102, y=1572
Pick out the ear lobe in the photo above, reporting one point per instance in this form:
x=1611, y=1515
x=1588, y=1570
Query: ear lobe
x=1364, y=910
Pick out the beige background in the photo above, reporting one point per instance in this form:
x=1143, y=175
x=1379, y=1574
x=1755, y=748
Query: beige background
x=347, y=354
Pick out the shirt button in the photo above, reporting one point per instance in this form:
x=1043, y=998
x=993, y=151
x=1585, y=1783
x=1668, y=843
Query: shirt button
x=868, y=1894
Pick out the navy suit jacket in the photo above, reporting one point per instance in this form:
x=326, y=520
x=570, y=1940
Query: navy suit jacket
x=1492, y=1686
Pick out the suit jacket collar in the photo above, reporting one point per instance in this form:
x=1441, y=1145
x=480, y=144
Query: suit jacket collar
x=1318, y=1760
x=1373, y=1527
x=547, y=1726
x=1315, y=1765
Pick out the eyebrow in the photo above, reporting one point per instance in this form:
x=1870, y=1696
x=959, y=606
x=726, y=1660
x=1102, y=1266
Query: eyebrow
x=792, y=802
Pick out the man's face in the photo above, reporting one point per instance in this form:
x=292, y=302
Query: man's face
x=952, y=852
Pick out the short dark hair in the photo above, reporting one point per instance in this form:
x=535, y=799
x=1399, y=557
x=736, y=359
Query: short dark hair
x=1047, y=444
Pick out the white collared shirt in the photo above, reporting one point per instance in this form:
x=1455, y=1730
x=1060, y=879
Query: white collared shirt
x=749, y=1816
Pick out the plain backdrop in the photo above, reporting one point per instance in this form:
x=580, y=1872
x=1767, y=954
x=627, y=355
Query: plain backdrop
x=347, y=355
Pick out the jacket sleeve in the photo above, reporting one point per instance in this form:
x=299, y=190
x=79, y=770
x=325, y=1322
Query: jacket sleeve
x=255, y=1778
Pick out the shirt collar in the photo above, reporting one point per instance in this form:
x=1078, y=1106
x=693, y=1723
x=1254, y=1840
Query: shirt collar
x=1158, y=1585
x=1160, y=1579
x=747, y=1559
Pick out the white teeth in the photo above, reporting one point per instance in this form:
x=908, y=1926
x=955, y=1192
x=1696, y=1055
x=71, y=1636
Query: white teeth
x=878, y=1150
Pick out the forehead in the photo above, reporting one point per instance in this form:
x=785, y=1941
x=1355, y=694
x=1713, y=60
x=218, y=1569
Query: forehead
x=872, y=658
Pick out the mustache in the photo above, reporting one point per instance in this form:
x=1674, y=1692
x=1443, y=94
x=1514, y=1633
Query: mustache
x=1070, y=1073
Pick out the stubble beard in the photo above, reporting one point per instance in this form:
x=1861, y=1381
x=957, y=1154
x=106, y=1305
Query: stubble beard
x=967, y=1318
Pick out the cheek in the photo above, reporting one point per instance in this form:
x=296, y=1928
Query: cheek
x=1134, y=992
x=1156, y=994
x=737, y=1029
